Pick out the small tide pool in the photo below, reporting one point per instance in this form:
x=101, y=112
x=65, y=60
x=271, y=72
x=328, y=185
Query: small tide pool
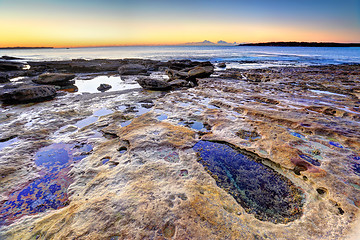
x=49, y=191
x=90, y=86
x=259, y=189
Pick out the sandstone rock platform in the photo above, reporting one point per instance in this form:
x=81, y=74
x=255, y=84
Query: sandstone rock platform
x=160, y=168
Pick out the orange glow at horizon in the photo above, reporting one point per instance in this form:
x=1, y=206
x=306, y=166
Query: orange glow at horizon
x=64, y=25
x=56, y=34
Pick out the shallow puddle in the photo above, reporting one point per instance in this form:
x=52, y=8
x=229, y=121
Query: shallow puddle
x=90, y=86
x=259, y=189
x=86, y=122
x=91, y=119
x=196, y=125
x=49, y=191
x=162, y=117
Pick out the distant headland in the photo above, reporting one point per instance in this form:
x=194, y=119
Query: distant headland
x=26, y=47
x=302, y=44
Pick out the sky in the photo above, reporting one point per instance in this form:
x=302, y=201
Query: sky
x=80, y=23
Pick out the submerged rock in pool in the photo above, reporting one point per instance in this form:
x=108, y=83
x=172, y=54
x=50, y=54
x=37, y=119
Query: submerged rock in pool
x=103, y=87
x=257, y=188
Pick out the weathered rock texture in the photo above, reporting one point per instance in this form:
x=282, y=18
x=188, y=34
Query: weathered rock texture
x=59, y=79
x=148, y=182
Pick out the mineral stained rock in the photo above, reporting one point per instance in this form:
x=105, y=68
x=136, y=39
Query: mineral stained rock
x=276, y=156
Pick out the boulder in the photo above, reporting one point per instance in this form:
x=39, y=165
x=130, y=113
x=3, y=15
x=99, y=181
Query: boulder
x=200, y=72
x=222, y=65
x=10, y=66
x=104, y=87
x=10, y=58
x=153, y=84
x=181, y=64
x=26, y=93
x=4, y=78
x=58, y=79
x=132, y=69
x=175, y=74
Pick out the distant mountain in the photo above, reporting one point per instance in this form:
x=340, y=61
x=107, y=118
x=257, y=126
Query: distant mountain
x=302, y=44
x=208, y=43
x=205, y=42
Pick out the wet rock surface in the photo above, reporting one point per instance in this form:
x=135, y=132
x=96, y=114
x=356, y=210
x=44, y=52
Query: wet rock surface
x=132, y=69
x=153, y=84
x=104, y=87
x=4, y=78
x=10, y=66
x=58, y=79
x=295, y=177
x=26, y=93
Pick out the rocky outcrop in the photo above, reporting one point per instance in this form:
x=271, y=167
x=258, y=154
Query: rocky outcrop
x=222, y=65
x=10, y=58
x=4, y=78
x=153, y=84
x=10, y=66
x=200, y=70
x=26, y=93
x=175, y=74
x=58, y=79
x=278, y=158
x=103, y=87
x=132, y=69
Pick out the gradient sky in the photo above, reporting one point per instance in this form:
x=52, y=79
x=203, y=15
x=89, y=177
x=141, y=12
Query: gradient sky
x=70, y=23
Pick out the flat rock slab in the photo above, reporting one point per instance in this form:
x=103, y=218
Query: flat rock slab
x=58, y=79
x=153, y=84
x=27, y=93
x=10, y=66
x=132, y=69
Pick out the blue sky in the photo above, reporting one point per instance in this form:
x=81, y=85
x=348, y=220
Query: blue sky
x=138, y=21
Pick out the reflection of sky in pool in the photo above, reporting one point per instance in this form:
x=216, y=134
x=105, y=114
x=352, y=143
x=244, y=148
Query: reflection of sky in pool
x=49, y=191
x=90, y=86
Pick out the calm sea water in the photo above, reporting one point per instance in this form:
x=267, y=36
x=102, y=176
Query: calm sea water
x=246, y=56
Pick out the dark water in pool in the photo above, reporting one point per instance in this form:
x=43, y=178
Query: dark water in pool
x=257, y=188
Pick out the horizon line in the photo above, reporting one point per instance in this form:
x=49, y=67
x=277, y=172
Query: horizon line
x=160, y=45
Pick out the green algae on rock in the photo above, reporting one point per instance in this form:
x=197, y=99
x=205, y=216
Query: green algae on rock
x=256, y=187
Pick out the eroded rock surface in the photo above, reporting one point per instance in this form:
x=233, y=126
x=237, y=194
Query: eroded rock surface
x=297, y=128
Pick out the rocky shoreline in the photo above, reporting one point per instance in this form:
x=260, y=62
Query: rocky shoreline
x=213, y=153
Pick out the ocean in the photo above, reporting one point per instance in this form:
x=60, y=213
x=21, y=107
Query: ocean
x=236, y=56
